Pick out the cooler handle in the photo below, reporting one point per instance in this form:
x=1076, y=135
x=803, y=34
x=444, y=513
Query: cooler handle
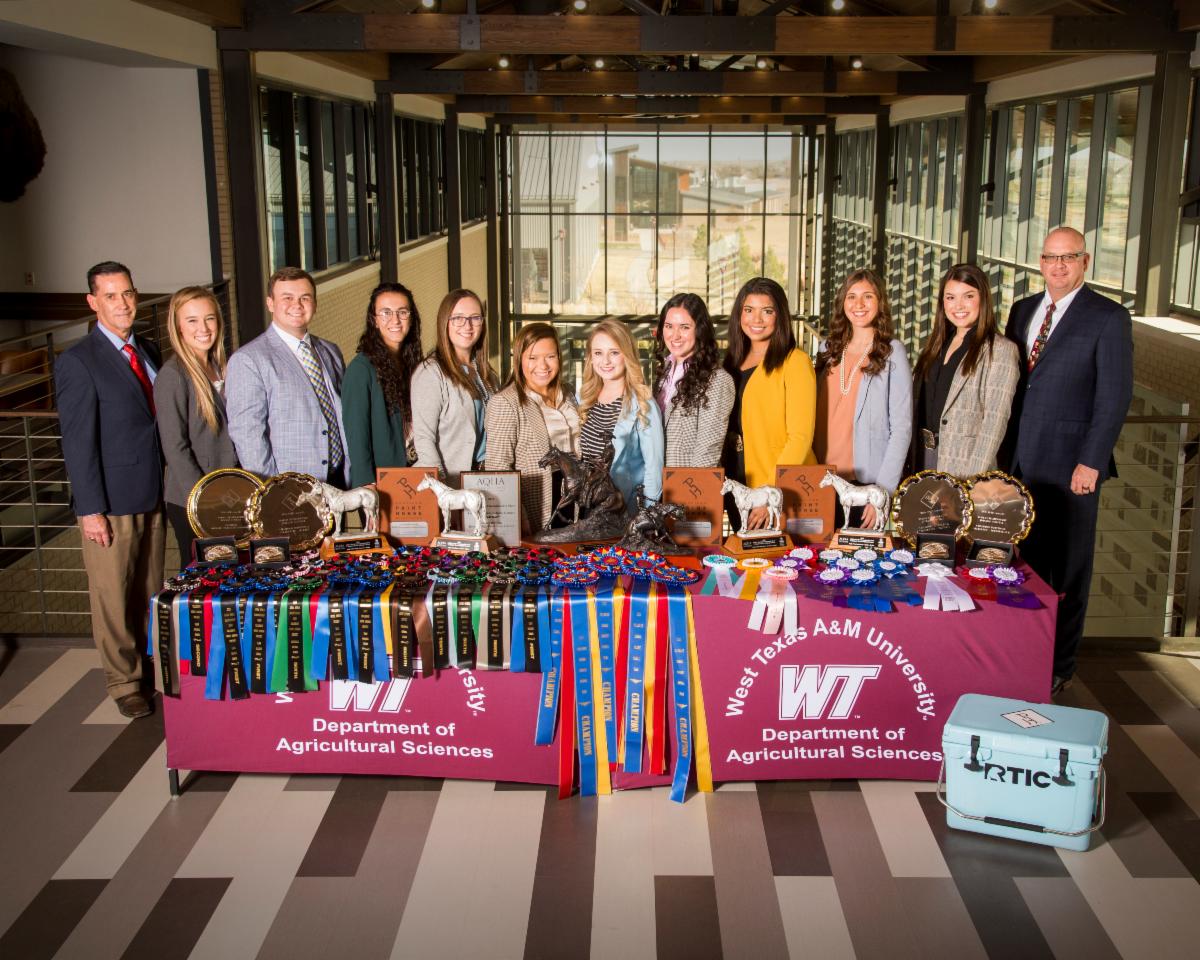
x=1097, y=816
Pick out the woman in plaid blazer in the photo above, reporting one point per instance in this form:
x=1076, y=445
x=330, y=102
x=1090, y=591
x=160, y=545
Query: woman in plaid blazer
x=526, y=416
x=693, y=392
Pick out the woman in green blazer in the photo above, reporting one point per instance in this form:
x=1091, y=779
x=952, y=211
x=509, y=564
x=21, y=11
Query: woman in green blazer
x=376, y=407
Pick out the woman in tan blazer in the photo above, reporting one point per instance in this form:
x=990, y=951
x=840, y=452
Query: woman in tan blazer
x=964, y=380
x=523, y=419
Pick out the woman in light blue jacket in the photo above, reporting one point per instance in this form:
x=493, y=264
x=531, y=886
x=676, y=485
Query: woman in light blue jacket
x=618, y=408
x=864, y=390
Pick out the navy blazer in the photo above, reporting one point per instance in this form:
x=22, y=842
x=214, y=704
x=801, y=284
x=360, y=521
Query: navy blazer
x=109, y=436
x=1070, y=409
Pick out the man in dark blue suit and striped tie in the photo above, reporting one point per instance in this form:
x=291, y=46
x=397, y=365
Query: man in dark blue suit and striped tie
x=1076, y=350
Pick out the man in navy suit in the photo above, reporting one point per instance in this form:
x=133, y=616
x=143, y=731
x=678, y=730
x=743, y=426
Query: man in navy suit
x=1076, y=350
x=114, y=462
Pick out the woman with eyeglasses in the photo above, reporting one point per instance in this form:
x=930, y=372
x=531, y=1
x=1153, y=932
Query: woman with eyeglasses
x=451, y=389
x=376, y=410
x=864, y=391
x=524, y=419
x=692, y=391
x=618, y=409
x=189, y=404
x=964, y=380
x=775, y=406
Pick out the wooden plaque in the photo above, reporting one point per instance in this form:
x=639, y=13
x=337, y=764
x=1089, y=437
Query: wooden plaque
x=410, y=516
x=502, y=490
x=698, y=491
x=808, y=508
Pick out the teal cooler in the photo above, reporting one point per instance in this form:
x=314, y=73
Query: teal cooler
x=1026, y=771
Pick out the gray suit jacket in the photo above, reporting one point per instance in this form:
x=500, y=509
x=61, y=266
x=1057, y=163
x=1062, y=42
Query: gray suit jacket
x=443, y=416
x=694, y=438
x=189, y=446
x=274, y=418
x=976, y=412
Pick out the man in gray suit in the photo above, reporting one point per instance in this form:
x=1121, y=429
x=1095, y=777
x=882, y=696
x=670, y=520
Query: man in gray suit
x=283, y=390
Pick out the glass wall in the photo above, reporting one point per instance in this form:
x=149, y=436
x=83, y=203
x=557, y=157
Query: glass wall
x=615, y=222
x=852, y=233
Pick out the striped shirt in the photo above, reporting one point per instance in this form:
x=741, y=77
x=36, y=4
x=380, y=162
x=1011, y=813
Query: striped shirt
x=598, y=429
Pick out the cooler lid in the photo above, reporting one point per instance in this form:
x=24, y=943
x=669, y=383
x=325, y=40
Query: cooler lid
x=1028, y=729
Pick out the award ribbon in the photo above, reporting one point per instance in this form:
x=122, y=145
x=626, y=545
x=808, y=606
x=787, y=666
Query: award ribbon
x=658, y=692
x=352, y=620
x=602, y=605
x=381, y=634
x=496, y=653
x=366, y=636
x=318, y=667
x=237, y=669
x=214, y=683
x=719, y=579
x=754, y=566
x=337, y=637
x=403, y=636
x=465, y=638
x=196, y=605
x=679, y=639
x=940, y=593
x=586, y=730
x=635, y=699
x=514, y=638
x=551, y=654
x=183, y=631
x=162, y=634
x=566, y=736
x=703, y=753
x=423, y=627
x=441, y=628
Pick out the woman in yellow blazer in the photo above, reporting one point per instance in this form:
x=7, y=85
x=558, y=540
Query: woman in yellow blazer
x=774, y=413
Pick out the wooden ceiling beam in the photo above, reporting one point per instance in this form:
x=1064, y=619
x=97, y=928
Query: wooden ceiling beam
x=628, y=35
x=680, y=118
x=212, y=13
x=623, y=105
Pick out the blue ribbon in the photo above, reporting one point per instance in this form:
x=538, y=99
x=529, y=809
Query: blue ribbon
x=272, y=621
x=608, y=664
x=350, y=608
x=246, y=636
x=216, y=650
x=185, y=629
x=635, y=693
x=383, y=666
x=550, y=613
x=585, y=695
x=518, y=630
x=320, y=639
x=681, y=684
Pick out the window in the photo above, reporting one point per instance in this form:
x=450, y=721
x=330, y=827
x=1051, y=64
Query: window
x=317, y=176
x=472, y=183
x=419, y=178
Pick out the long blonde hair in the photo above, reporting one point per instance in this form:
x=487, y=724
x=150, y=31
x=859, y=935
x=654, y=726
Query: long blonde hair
x=201, y=386
x=636, y=391
x=444, y=353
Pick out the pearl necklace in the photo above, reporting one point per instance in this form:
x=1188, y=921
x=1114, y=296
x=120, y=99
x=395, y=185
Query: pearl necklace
x=842, y=384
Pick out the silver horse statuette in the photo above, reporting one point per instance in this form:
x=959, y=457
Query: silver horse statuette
x=854, y=496
x=471, y=502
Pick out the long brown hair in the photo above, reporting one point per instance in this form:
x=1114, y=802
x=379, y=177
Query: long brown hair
x=394, y=370
x=840, y=329
x=444, y=353
x=985, y=324
x=197, y=376
x=783, y=341
x=692, y=392
x=636, y=392
x=526, y=337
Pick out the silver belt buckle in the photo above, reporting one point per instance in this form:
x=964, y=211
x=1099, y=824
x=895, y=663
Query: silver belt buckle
x=929, y=439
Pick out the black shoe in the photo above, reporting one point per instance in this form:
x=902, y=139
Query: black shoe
x=134, y=705
x=1059, y=685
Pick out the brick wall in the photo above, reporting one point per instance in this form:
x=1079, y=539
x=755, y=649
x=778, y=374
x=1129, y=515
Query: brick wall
x=342, y=307
x=474, y=263
x=423, y=270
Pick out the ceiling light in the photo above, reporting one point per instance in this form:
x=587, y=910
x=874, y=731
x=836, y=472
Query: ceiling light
x=856, y=63
x=599, y=63
x=580, y=5
x=504, y=63
x=991, y=4
x=838, y=4
x=761, y=63
x=428, y=4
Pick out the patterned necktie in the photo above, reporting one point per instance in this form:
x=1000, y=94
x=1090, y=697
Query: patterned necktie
x=139, y=371
x=309, y=362
x=1043, y=335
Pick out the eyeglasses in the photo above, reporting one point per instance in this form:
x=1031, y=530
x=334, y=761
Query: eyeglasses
x=386, y=314
x=1063, y=257
x=461, y=321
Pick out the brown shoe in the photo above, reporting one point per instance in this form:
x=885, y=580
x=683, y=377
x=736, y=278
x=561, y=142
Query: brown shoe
x=134, y=706
x=1060, y=685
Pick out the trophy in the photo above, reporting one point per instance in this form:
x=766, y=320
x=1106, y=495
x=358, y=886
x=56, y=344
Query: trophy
x=1002, y=516
x=588, y=490
x=932, y=510
x=216, y=510
x=474, y=536
x=340, y=502
x=770, y=541
x=857, y=538
x=291, y=505
x=647, y=529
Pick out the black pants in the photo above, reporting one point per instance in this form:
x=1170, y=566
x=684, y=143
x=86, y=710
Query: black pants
x=177, y=516
x=1060, y=548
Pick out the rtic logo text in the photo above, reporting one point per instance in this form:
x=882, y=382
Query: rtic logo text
x=350, y=695
x=809, y=689
x=1017, y=776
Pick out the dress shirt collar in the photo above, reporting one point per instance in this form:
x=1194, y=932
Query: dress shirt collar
x=115, y=340
x=1063, y=302
x=292, y=342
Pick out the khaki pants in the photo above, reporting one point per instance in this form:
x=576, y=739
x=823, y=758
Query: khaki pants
x=122, y=578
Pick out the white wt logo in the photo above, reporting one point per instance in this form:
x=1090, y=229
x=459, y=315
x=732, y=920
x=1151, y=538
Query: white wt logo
x=811, y=688
x=361, y=697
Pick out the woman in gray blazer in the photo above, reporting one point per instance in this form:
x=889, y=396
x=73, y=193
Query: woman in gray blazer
x=189, y=404
x=864, y=389
x=966, y=377
x=451, y=388
x=693, y=392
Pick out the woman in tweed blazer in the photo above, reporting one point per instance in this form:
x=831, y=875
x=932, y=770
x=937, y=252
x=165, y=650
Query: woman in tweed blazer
x=523, y=419
x=451, y=388
x=693, y=392
x=965, y=379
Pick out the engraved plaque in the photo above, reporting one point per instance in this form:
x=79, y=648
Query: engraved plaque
x=1003, y=508
x=291, y=505
x=216, y=506
x=931, y=502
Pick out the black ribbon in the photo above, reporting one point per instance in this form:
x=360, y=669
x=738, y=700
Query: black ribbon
x=166, y=656
x=400, y=609
x=295, y=642
x=337, y=637
x=233, y=648
x=529, y=632
x=495, y=630
x=258, y=643
x=464, y=634
x=441, y=630
x=196, y=604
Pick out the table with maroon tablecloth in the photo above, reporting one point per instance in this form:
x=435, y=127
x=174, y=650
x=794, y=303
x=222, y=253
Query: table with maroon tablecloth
x=850, y=695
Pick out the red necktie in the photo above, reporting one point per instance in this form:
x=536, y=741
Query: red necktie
x=1039, y=344
x=140, y=372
